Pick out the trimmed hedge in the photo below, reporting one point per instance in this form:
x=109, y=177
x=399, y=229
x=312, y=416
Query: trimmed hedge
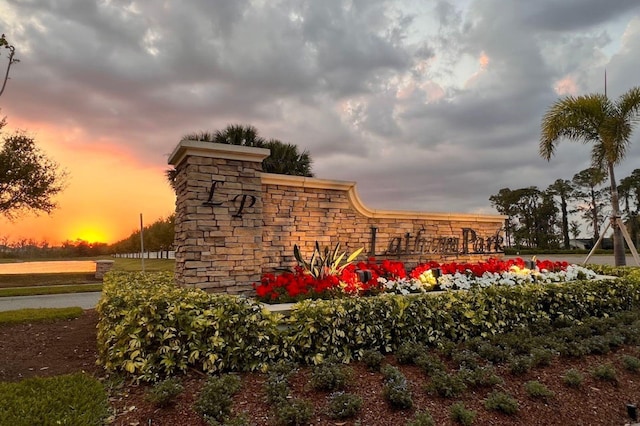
x=151, y=328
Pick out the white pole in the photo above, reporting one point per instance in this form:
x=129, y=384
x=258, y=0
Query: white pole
x=142, y=242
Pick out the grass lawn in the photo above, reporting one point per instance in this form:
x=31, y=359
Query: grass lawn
x=41, y=314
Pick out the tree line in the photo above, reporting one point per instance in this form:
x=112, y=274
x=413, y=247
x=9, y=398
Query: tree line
x=550, y=218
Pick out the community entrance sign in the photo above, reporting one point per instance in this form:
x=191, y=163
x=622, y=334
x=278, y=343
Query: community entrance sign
x=234, y=223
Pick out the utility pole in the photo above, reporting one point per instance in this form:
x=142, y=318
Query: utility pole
x=141, y=242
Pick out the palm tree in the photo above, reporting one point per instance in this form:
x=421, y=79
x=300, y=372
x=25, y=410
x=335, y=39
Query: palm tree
x=234, y=134
x=607, y=125
x=284, y=158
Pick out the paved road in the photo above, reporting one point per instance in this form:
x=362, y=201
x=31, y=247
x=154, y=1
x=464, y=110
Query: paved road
x=83, y=300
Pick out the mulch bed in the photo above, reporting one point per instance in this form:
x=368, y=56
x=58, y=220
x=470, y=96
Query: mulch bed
x=60, y=347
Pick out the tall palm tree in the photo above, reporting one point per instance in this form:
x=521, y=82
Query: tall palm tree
x=607, y=125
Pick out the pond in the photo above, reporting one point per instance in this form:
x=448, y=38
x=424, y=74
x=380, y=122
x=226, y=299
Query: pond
x=50, y=267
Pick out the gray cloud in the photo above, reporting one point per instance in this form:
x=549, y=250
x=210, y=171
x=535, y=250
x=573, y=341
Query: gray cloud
x=390, y=94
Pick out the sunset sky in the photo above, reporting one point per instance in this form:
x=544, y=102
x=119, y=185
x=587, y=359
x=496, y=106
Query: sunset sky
x=429, y=105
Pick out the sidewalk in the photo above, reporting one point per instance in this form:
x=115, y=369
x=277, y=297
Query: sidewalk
x=82, y=300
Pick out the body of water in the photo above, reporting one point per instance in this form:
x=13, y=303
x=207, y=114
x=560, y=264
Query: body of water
x=50, y=267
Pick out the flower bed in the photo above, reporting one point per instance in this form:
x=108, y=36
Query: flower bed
x=390, y=276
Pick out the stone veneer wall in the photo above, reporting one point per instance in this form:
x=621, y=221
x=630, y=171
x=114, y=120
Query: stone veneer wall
x=300, y=211
x=228, y=233
x=217, y=249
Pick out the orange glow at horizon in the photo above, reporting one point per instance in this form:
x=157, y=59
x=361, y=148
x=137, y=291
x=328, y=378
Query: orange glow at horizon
x=90, y=234
x=106, y=190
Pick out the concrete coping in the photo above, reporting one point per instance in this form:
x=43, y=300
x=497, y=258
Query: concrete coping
x=216, y=150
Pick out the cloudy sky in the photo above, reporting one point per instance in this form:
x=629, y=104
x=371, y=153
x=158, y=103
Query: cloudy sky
x=428, y=105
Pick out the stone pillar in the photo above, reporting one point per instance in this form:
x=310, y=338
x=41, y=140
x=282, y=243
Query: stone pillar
x=102, y=267
x=218, y=227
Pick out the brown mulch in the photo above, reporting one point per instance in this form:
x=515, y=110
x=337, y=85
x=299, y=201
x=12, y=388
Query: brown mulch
x=60, y=347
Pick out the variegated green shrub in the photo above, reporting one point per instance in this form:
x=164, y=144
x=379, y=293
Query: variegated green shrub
x=345, y=328
x=151, y=328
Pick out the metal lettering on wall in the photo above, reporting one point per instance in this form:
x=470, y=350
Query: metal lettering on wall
x=421, y=243
x=241, y=201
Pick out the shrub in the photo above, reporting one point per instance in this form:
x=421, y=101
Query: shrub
x=520, y=365
x=631, y=363
x=516, y=342
x=389, y=372
x=429, y=363
x=597, y=345
x=573, y=349
x=481, y=377
x=541, y=357
x=287, y=410
x=615, y=339
x=605, y=372
x=535, y=389
x=460, y=414
x=277, y=385
x=446, y=385
x=344, y=405
x=330, y=376
x=421, y=418
x=372, y=359
x=151, y=328
x=283, y=368
x=407, y=352
x=396, y=389
x=163, y=393
x=74, y=399
x=296, y=412
x=631, y=333
x=573, y=378
x=466, y=359
x=501, y=401
x=446, y=347
x=214, y=402
x=495, y=354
